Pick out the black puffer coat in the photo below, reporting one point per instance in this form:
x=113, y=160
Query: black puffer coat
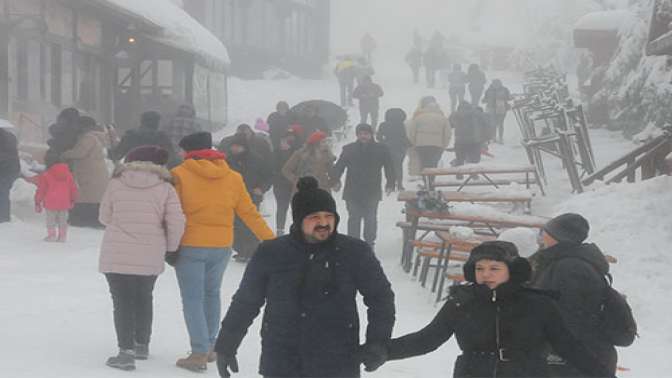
x=9, y=157
x=576, y=272
x=511, y=319
x=310, y=325
x=470, y=124
x=392, y=132
x=364, y=163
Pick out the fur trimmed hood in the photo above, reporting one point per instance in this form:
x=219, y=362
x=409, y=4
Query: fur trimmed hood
x=130, y=172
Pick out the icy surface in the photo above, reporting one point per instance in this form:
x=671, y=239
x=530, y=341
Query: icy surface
x=603, y=21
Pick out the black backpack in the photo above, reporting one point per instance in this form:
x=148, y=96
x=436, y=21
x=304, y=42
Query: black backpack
x=617, y=324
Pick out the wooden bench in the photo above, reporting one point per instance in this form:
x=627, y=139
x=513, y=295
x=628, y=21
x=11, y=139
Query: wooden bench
x=524, y=199
x=472, y=171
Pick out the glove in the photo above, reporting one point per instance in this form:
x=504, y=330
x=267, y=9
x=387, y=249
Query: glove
x=373, y=356
x=226, y=363
x=38, y=208
x=171, y=258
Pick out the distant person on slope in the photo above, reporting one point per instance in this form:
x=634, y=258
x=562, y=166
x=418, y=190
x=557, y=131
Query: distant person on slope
x=369, y=93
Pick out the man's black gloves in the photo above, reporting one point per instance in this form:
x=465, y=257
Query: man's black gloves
x=226, y=363
x=373, y=356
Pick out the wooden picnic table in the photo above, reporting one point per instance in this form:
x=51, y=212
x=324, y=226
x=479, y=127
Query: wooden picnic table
x=473, y=171
x=488, y=222
x=453, y=196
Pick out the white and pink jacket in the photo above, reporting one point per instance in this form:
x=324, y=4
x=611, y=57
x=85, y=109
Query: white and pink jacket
x=143, y=219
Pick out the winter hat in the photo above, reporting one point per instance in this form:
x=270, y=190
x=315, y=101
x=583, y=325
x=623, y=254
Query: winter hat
x=150, y=119
x=395, y=115
x=506, y=252
x=568, y=228
x=152, y=154
x=196, y=141
x=363, y=127
x=310, y=199
x=316, y=137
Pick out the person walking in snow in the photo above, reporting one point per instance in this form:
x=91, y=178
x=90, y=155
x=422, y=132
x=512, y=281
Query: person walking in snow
x=576, y=270
x=282, y=187
x=309, y=281
x=87, y=160
x=313, y=159
x=368, y=93
x=182, y=124
x=279, y=122
x=257, y=175
x=429, y=132
x=143, y=219
x=470, y=127
x=476, y=79
x=256, y=142
x=10, y=170
x=56, y=194
x=147, y=134
x=496, y=100
x=211, y=194
x=345, y=72
x=392, y=133
x=364, y=161
x=499, y=324
x=457, y=80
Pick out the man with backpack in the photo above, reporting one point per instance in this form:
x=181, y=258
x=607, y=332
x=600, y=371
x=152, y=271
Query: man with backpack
x=577, y=272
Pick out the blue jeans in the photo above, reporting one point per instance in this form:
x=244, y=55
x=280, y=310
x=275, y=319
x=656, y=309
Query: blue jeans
x=199, y=274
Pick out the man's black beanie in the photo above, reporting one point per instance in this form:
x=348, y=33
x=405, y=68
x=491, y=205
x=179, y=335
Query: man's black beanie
x=568, y=228
x=310, y=199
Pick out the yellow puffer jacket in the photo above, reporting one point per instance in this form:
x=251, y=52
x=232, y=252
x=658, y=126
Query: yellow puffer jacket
x=211, y=193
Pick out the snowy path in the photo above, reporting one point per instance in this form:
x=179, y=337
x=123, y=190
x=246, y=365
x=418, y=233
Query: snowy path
x=56, y=312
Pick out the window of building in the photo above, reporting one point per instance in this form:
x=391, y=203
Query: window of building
x=67, y=78
x=56, y=66
x=34, y=52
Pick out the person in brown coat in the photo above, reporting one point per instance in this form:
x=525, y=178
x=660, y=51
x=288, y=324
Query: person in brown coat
x=314, y=159
x=87, y=161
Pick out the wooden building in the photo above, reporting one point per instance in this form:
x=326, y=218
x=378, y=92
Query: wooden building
x=112, y=59
x=291, y=34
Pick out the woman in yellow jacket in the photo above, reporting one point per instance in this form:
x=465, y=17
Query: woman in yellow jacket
x=211, y=194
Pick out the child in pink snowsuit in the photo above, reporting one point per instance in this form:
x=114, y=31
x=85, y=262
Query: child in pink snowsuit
x=56, y=193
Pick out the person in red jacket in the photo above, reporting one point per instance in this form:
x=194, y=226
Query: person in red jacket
x=56, y=193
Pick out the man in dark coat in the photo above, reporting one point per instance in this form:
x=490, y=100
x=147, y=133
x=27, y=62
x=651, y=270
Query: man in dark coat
x=147, y=134
x=309, y=281
x=10, y=170
x=184, y=123
x=257, y=174
x=364, y=160
x=256, y=142
x=279, y=122
x=392, y=133
x=457, y=86
x=368, y=93
x=575, y=270
x=414, y=60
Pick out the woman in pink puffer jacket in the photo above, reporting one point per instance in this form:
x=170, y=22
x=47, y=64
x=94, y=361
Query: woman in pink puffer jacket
x=144, y=220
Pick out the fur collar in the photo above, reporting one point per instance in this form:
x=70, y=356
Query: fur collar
x=144, y=166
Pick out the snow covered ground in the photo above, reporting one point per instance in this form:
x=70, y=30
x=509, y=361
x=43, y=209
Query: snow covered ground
x=56, y=312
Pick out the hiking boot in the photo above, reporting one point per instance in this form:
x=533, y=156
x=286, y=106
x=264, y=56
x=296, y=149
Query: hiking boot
x=123, y=361
x=212, y=356
x=196, y=362
x=141, y=351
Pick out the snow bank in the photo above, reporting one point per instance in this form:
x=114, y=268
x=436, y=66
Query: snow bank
x=632, y=223
x=179, y=28
x=525, y=240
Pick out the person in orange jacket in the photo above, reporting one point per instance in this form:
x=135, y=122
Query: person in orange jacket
x=56, y=193
x=211, y=194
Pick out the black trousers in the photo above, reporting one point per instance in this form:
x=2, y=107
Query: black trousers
x=467, y=153
x=429, y=156
x=133, y=307
x=398, y=164
x=282, y=190
x=476, y=95
x=85, y=215
x=366, y=211
x=5, y=205
x=456, y=97
x=366, y=112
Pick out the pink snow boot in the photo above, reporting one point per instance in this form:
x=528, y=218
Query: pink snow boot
x=51, y=234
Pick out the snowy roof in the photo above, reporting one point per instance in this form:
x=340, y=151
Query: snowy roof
x=178, y=28
x=603, y=21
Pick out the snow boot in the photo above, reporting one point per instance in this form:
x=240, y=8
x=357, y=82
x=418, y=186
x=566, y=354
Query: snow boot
x=196, y=362
x=51, y=235
x=212, y=356
x=141, y=351
x=123, y=361
x=63, y=234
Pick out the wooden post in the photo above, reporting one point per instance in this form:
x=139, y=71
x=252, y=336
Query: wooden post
x=632, y=174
